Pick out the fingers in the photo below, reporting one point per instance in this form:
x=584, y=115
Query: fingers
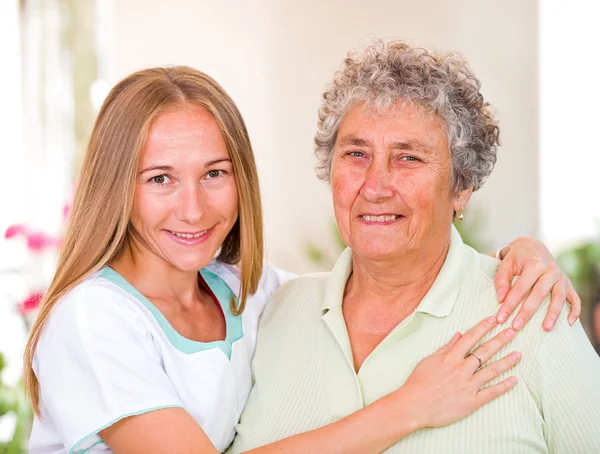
x=550, y=281
x=493, y=370
x=493, y=346
x=450, y=344
x=575, y=302
x=503, y=280
x=559, y=295
x=472, y=337
x=518, y=292
x=492, y=392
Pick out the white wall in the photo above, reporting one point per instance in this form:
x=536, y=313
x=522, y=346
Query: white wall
x=570, y=99
x=274, y=58
x=12, y=208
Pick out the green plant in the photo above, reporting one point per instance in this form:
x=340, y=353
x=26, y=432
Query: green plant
x=13, y=400
x=317, y=255
x=582, y=264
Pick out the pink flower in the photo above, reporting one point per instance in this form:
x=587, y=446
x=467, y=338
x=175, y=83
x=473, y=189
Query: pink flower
x=38, y=241
x=30, y=303
x=67, y=210
x=15, y=230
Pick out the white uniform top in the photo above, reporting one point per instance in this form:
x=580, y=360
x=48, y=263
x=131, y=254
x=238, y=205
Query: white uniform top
x=107, y=353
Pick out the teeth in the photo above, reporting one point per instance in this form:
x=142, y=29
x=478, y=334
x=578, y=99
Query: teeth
x=379, y=218
x=188, y=235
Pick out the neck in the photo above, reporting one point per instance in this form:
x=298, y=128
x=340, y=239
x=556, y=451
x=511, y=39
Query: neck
x=401, y=282
x=154, y=277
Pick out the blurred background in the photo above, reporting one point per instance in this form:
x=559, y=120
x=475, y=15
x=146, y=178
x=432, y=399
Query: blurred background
x=59, y=58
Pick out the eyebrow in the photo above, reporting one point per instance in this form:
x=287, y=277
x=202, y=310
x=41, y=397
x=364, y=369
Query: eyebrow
x=411, y=144
x=169, y=168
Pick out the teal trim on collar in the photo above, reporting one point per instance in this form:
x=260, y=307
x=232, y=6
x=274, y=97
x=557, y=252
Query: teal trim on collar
x=220, y=289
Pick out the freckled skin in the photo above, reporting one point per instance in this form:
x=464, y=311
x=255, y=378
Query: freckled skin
x=398, y=164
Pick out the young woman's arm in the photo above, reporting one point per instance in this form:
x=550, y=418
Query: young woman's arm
x=443, y=388
x=539, y=275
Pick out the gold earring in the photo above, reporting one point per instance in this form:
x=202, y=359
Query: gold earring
x=460, y=214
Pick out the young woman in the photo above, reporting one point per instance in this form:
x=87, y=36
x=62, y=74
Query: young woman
x=134, y=350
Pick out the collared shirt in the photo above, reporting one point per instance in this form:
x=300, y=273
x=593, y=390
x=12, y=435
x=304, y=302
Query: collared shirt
x=304, y=374
x=108, y=353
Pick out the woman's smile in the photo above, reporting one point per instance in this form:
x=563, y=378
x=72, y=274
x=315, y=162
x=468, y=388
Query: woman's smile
x=188, y=238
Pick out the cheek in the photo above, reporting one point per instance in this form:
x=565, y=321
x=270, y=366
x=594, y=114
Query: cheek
x=424, y=192
x=345, y=186
x=147, y=208
x=225, y=201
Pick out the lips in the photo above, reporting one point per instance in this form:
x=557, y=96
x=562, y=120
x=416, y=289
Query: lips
x=380, y=218
x=188, y=235
x=189, y=238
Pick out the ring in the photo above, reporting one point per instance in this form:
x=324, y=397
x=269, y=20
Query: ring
x=476, y=356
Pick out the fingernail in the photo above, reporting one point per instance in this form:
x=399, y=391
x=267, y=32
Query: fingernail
x=549, y=324
x=516, y=356
x=491, y=320
x=502, y=317
x=518, y=324
x=509, y=333
x=571, y=321
x=512, y=381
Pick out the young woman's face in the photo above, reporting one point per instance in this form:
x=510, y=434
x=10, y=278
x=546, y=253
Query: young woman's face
x=186, y=197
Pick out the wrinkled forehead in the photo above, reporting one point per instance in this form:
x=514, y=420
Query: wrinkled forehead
x=400, y=122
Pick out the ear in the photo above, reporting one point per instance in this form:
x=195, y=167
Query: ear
x=462, y=198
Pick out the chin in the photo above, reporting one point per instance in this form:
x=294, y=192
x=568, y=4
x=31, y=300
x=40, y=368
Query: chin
x=190, y=264
x=376, y=252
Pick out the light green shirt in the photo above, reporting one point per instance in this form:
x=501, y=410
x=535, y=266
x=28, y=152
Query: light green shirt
x=305, y=379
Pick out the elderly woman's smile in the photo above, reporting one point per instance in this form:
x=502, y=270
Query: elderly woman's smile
x=391, y=182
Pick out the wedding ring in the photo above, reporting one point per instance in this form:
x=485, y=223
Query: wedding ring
x=476, y=356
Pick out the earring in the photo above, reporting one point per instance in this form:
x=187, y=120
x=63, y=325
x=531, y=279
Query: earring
x=460, y=214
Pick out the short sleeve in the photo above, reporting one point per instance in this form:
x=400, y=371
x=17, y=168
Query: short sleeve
x=97, y=363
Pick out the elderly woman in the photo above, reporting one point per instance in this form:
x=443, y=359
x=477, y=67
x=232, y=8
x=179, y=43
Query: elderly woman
x=404, y=139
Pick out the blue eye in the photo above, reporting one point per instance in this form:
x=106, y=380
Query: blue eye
x=160, y=179
x=408, y=158
x=356, y=154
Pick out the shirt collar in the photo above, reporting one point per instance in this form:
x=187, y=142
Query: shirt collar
x=440, y=298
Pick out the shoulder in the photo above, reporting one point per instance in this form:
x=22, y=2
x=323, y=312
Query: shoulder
x=307, y=285
x=94, y=306
x=272, y=278
x=95, y=295
x=300, y=296
x=477, y=288
x=484, y=266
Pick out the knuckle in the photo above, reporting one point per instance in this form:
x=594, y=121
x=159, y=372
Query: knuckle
x=526, y=313
x=494, y=369
x=553, y=268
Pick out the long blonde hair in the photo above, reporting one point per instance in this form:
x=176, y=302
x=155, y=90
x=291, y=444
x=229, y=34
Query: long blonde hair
x=99, y=225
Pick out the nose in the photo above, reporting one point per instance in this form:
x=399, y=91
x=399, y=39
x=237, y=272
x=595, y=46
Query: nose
x=377, y=183
x=190, y=204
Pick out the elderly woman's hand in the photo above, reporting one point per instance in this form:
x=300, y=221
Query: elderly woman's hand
x=539, y=275
x=454, y=381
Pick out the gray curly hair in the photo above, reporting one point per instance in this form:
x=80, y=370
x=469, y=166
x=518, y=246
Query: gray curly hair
x=384, y=73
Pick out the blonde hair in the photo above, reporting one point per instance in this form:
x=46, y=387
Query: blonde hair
x=99, y=223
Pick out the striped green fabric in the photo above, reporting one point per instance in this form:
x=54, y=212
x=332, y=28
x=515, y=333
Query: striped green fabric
x=304, y=377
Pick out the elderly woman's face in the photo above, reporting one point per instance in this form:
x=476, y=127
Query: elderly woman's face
x=391, y=179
